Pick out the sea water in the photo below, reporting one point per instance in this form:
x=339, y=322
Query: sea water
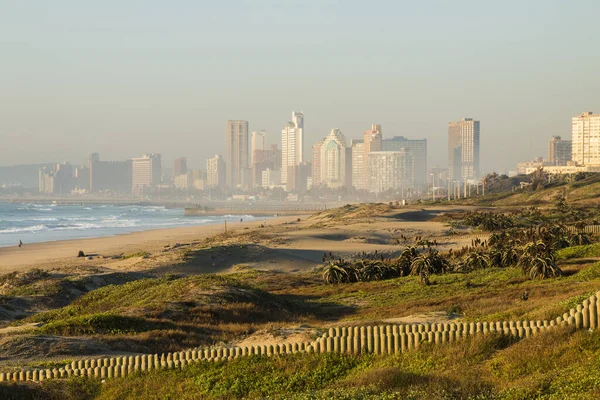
x=33, y=222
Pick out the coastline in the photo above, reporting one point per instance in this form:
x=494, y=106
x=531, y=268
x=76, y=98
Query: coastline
x=63, y=253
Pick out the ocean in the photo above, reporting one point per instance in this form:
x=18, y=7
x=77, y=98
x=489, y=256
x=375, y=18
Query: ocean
x=33, y=223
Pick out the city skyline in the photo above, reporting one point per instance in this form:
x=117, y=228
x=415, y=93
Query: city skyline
x=100, y=83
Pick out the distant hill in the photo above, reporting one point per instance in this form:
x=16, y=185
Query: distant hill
x=26, y=175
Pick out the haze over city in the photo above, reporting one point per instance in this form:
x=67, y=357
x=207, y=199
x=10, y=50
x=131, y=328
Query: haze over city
x=123, y=79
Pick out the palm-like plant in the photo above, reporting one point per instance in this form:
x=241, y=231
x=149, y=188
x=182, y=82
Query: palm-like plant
x=541, y=268
x=429, y=263
x=580, y=238
x=477, y=260
x=335, y=272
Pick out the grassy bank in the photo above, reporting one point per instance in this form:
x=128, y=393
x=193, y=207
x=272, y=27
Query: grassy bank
x=492, y=367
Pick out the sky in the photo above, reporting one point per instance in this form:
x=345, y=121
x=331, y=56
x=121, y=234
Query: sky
x=128, y=77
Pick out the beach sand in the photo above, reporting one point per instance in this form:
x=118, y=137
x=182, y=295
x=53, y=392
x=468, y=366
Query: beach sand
x=285, y=244
x=64, y=253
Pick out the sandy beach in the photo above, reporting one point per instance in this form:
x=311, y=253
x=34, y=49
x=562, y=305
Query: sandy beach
x=287, y=243
x=64, y=253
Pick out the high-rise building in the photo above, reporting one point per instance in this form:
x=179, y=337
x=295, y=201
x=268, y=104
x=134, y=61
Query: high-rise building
x=146, y=173
x=297, y=177
x=316, y=164
x=270, y=178
x=418, y=149
x=372, y=142
x=258, y=142
x=334, y=160
x=292, y=144
x=559, y=151
x=215, y=172
x=463, y=149
x=268, y=158
x=391, y=170
x=358, y=164
x=586, y=139
x=236, y=134
x=111, y=177
x=180, y=167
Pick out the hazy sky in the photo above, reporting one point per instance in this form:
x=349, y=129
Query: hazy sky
x=127, y=77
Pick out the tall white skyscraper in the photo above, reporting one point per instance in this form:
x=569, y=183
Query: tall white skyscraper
x=292, y=143
x=334, y=160
x=146, y=173
x=258, y=141
x=586, y=139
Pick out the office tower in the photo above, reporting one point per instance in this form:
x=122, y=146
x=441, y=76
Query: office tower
x=268, y=158
x=372, y=142
x=110, y=177
x=292, y=143
x=391, y=170
x=418, y=149
x=358, y=164
x=270, y=178
x=316, y=164
x=146, y=173
x=586, y=139
x=258, y=142
x=463, y=150
x=559, y=151
x=297, y=177
x=180, y=167
x=333, y=160
x=236, y=134
x=215, y=172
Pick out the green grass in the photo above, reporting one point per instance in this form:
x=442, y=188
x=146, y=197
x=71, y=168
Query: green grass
x=561, y=364
x=586, y=251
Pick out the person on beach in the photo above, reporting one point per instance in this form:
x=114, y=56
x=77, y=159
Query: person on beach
x=20, y=243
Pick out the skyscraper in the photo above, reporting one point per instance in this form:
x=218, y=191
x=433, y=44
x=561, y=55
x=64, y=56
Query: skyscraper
x=586, y=139
x=333, y=160
x=372, y=142
x=258, y=141
x=215, y=172
x=180, y=167
x=358, y=164
x=390, y=170
x=418, y=150
x=236, y=134
x=146, y=173
x=463, y=149
x=292, y=143
x=559, y=151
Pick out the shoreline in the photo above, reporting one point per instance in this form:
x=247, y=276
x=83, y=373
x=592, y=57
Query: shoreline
x=60, y=253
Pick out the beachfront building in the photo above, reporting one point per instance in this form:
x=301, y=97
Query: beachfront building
x=358, y=165
x=334, y=159
x=586, y=139
x=418, y=149
x=262, y=159
x=258, y=142
x=146, y=173
x=292, y=144
x=271, y=178
x=236, y=135
x=372, y=142
x=215, y=172
x=559, y=151
x=463, y=150
x=391, y=170
x=110, y=177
